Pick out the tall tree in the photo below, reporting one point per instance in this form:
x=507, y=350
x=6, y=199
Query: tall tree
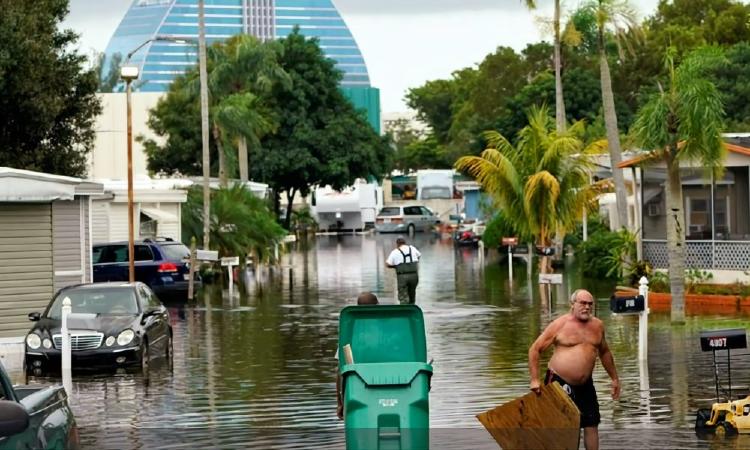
x=615, y=18
x=321, y=139
x=683, y=122
x=241, y=72
x=542, y=183
x=48, y=100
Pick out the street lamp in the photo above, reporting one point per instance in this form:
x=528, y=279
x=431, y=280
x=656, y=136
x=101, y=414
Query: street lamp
x=203, y=78
x=129, y=73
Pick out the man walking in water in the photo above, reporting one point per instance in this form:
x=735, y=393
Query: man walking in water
x=578, y=338
x=404, y=258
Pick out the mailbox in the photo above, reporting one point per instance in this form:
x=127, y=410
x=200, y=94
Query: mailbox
x=630, y=304
x=545, y=251
x=723, y=339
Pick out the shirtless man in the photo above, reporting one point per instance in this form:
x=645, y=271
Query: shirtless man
x=578, y=338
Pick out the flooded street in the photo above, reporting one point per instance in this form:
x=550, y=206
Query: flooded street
x=257, y=370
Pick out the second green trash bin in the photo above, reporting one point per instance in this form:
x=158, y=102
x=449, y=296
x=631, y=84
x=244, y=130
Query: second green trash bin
x=386, y=389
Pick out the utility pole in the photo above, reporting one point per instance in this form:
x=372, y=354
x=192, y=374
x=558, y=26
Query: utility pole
x=204, y=124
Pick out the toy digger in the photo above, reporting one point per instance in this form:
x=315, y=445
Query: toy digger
x=732, y=416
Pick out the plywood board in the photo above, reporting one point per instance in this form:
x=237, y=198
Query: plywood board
x=549, y=420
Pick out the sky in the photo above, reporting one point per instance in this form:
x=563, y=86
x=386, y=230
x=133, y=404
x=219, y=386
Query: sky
x=404, y=42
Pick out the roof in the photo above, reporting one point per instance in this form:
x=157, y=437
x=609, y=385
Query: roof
x=18, y=185
x=643, y=157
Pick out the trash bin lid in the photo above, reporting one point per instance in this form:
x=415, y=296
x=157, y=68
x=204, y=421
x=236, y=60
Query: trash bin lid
x=382, y=334
x=388, y=374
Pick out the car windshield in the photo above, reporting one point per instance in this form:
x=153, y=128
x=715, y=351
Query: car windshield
x=175, y=251
x=390, y=212
x=109, y=301
x=436, y=192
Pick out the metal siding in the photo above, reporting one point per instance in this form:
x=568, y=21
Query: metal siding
x=118, y=222
x=66, y=242
x=169, y=229
x=26, y=276
x=100, y=221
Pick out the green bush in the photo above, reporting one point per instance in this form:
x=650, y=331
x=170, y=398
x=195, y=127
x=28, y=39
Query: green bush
x=596, y=225
x=241, y=223
x=606, y=254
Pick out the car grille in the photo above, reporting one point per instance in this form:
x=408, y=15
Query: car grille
x=80, y=341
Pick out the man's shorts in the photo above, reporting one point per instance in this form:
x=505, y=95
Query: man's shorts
x=584, y=396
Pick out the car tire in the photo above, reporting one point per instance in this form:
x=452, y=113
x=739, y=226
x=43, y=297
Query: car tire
x=411, y=229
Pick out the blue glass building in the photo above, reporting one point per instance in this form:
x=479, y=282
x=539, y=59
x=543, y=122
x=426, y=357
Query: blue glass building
x=161, y=60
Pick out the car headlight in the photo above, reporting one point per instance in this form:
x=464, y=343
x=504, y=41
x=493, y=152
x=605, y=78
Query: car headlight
x=110, y=341
x=125, y=338
x=33, y=341
x=47, y=343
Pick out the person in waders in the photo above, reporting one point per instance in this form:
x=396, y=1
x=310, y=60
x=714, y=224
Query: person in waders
x=404, y=258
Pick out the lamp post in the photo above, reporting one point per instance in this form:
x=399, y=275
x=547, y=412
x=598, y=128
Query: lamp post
x=203, y=78
x=130, y=73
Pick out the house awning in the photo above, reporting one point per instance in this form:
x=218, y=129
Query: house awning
x=18, y=185
x=645, y=157
x=159, y=215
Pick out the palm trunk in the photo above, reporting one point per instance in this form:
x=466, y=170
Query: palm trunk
x=559, y=100
x=223, y=182
x=242, y=155
x=613, y=136
x=675, y=237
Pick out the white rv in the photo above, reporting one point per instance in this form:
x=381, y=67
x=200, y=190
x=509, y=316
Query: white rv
x=434, y=184
x=351, y=209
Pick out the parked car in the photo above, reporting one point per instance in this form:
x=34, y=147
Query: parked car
x=465, y=235
x=399, y=219
x=36, y=417
x=163, y=264
x=115, y=325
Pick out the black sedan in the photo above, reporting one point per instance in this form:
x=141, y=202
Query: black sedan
x=112, y=325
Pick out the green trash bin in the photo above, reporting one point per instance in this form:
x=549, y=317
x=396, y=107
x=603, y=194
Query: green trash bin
x=386, y=389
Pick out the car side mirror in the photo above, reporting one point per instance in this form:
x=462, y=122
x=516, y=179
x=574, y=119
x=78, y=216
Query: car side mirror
x=13, y=418
x=35, y=316
x=150, y=312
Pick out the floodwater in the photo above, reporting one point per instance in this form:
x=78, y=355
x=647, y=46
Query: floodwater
x=257, y=370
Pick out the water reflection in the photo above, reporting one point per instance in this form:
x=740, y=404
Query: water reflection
x=257, y=369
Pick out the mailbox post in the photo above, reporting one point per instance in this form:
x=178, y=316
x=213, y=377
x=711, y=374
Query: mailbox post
x=510, y=242
x=65, y=357
x=643, y=321
x=728, y=340
x=632, y=305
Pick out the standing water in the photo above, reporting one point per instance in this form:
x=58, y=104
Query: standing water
x=257, y=370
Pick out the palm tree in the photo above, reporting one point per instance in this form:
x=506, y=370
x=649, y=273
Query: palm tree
x=682, y=122
x=542, y=183
x=242, y=71
x=620, y=20
x=559, y=100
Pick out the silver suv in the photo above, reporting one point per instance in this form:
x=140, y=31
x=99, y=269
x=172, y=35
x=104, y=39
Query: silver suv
x=400, y=219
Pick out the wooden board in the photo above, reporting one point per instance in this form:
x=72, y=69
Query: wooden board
x=549, y=420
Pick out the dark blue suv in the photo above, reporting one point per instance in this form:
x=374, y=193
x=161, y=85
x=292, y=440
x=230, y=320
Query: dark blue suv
x=163, y=264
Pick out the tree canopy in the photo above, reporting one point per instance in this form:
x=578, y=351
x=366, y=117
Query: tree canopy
x=48, y=100
x=496, y=93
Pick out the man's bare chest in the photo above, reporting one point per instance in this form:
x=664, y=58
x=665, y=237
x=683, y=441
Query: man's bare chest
x=574, y=334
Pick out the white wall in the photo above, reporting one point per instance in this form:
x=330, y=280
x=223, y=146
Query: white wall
x=109, y=156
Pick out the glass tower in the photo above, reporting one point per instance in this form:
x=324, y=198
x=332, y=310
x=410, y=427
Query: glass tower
x=161, y=60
